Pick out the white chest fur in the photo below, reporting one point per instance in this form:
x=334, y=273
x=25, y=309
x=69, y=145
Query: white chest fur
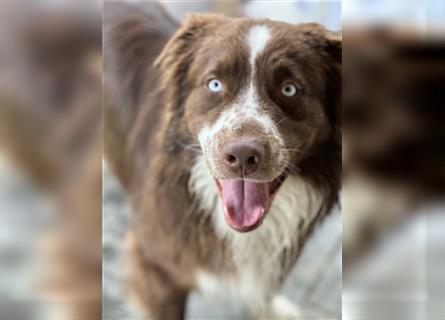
x=256, y=254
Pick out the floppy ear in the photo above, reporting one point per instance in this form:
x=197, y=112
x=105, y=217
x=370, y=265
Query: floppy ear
x=334, y=76
x=333, y=48
x=334, y=45
x=174, y=63
x=328, y=45
x=178, y=54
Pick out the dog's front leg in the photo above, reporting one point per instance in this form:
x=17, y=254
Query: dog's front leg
x=156, y=291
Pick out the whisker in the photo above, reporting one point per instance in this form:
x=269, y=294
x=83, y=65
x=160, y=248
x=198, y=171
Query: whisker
x=192, y=146
x=291, y=166
x=290, y=149
x=285, y=150
x=277, y=123
x=198, y=151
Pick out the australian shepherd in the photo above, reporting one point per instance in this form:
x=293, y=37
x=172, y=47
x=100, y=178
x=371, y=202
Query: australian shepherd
x=225, y=133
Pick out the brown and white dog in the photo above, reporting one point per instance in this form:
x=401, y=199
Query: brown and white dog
x=226, y=135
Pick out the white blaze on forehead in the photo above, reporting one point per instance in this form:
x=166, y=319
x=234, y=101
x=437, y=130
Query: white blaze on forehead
x=246, y=105
x=258, y=37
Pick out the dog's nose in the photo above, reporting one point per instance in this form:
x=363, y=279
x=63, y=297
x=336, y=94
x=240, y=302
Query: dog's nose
x=243, y=156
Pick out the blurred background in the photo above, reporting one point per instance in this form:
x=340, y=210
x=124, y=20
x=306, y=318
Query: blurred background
x=50, y=160
x=393, y=160
x=392, y=243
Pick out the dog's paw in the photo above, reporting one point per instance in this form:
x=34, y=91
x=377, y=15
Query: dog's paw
x=281, y=308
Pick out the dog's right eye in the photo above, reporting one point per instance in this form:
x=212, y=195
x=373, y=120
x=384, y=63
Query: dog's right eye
x=215, y=85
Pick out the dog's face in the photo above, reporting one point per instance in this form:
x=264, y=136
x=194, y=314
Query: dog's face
x=254, y=97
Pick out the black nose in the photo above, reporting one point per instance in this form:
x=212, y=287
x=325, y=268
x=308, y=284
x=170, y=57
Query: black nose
x=243, y=155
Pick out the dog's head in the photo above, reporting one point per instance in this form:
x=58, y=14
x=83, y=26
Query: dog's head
x=256, y=96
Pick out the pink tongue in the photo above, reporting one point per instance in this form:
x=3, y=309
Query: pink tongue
x=245, y=202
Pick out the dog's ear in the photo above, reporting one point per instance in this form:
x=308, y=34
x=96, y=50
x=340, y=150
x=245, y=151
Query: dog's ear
x=174, y=63
x=177, y=55
x=328, y=45
x=333, y=73
x=333, y=45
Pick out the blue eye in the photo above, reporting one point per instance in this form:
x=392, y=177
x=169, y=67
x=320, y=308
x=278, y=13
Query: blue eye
x=289, y=90
x=215, y=85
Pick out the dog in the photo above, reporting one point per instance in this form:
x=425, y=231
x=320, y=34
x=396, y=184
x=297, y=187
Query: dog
x=225, y=133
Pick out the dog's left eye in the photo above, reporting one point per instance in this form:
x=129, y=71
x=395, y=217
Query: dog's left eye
x=289, y=90
x=215, y=85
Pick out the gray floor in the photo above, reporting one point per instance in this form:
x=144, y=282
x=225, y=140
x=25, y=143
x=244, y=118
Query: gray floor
x=314, y=284
x=402, y=278
x=24, y=215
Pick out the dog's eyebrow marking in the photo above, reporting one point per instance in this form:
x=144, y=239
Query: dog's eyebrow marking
x=258, y=37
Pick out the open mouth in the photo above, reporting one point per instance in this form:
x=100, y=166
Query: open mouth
x=246, y=202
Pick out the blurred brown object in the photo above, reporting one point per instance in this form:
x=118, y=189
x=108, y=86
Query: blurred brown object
x=393, y=132
x=51, y=128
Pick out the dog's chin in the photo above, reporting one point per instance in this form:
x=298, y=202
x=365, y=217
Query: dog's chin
x=246, y=202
